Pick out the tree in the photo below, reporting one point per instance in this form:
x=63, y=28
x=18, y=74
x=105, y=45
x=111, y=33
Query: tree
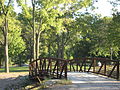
x=34, y=33
x=114, y=36
x=5, y=7
x=16, y=43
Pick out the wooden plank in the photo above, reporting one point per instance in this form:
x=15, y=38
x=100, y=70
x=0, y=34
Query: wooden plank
x=90, y=66
x=117, y=70
x=58, y=69
x=62, y=70
x=66, y=69
x=112, y=70
x=94, y=64
x=55, y=66
x=82, y=65
x=100, y=67
x=49, y=61
x=73, y=67
x=105, y=68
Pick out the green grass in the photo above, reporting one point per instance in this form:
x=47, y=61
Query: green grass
x=64, y=82
x=16, y=69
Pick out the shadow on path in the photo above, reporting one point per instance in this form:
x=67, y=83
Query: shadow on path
x=88, y=81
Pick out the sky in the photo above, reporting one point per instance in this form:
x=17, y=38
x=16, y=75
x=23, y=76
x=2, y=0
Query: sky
x=104, y=8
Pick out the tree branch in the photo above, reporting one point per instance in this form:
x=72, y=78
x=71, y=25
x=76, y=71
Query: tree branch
x=39, y=31
x=2, y=29
x=33, y=2
x=8, y=6
x=1, y=43
x=2, y=8
x=29, y=22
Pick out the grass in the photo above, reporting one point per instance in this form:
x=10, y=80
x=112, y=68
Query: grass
x=16, y=69
x=64, y=82
x=48, y=83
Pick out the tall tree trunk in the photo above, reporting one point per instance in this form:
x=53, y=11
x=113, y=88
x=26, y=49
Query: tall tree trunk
x=38, y=35
x=49, y=50
x=59, y=49
x=31, y=51
x=5, y=10
x=34, y=33
x=37, y=45
x=6, y=45
x=62, y=47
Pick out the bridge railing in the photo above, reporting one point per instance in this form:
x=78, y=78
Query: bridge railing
x=48, y=67
x=58, y=68
x=101, y=66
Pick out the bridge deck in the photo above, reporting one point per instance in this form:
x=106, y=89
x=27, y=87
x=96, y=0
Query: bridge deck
x=89, y=81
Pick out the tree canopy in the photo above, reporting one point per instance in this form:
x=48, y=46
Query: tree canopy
x=56, y=28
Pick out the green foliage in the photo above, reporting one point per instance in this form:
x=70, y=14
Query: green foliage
x=16, y=43
x=63, y=32
x=16, y=69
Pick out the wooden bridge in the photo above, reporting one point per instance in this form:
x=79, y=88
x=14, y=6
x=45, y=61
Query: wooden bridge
x=58, y=68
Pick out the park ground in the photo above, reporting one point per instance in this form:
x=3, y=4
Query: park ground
x=79, y=81
x=14, y=77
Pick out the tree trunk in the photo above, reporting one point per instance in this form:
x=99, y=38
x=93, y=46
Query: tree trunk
x=58, y=45
x=34, y=38
x=62, y=47
x=31, y=51
x=6, y=45
x=37, y=45
x=49, y=50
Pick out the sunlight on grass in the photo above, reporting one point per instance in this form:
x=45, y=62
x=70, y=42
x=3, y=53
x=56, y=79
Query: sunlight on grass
x=64, y=82
x=16, y=69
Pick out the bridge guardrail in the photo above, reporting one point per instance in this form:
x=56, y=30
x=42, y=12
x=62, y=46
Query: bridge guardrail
x=101, y=66
x=58, y=68
x=48, y=67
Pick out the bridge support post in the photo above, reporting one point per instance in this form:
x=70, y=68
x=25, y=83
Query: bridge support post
x=84, y=64
x=105, y=68
x=57, y=69
x=70, y=67
x=118, y=70
x=94, y=64
x=66, y=70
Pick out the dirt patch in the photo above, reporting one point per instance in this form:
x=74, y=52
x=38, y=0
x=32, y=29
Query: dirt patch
x=7, y=79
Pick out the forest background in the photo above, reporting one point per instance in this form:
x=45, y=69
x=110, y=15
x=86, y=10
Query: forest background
x=56, y=28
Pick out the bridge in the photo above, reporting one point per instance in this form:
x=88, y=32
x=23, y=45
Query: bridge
x=59, y=68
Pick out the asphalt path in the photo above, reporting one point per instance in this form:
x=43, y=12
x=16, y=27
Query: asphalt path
x=88, y=81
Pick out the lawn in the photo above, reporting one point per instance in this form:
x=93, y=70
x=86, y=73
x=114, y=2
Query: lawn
x=16, y=69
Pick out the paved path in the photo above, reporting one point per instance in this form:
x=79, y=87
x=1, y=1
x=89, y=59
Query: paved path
x=89, y=81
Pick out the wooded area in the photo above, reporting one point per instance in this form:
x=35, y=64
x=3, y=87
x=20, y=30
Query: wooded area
x=56, y=28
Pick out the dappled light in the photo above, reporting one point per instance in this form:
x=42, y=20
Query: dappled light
x=42, y=40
